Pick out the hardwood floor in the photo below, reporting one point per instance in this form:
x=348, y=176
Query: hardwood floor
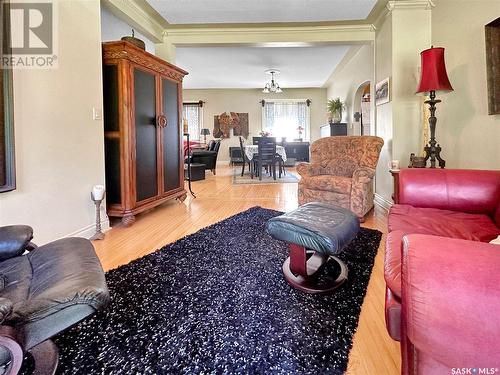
x=373, y=352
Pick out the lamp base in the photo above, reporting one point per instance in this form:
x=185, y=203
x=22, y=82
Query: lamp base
x=97, y=236
x=433, y=149
x=433, y=153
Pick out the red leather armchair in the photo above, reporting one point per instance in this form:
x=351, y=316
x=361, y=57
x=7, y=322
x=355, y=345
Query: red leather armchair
x=451, y=304
x=446, y=204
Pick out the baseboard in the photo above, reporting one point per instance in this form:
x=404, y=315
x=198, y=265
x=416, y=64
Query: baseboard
x=89, y=230
x=382, y=202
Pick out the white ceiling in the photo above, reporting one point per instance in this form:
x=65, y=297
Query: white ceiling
x=243, y=67
x=257, y=11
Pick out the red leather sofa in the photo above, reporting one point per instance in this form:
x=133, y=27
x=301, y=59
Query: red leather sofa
x=454, y=210
x=451, y=305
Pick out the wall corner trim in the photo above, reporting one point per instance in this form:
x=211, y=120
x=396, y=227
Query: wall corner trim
x=382, y=202
x=89, y=230
x=410, y=4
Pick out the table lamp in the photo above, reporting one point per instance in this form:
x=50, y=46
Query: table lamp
x=204, y=133
x=433, y=78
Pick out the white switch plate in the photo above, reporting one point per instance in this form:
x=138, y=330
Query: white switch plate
x=96, y=113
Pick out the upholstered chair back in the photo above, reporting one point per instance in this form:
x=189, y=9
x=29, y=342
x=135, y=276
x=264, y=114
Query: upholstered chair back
x=341, y=155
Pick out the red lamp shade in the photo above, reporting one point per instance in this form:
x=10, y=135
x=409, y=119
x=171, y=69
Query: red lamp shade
x=433, y=75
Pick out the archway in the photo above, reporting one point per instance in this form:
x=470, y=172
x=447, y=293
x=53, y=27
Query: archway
x=362, y=110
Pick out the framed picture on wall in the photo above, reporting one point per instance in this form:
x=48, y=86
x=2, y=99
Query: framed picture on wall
x=383, y=92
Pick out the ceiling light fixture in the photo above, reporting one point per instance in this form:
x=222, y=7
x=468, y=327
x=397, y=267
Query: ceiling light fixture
x=272, y=86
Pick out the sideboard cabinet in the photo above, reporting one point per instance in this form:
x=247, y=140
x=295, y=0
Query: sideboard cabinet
x=142, y=130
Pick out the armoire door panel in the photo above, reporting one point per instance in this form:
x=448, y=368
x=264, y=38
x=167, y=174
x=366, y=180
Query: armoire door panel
x=145, y=135
x=111, y=92
x=113, y=173
x=171, y=133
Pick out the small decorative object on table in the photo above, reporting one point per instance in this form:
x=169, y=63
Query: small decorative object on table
x=97, y=195
x=264, y=133
x=299, y=130
x=394, y=165
x=417, y=161
x=433, y=78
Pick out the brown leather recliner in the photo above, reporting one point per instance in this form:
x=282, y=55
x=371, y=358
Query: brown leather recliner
x=341, y=172
x=42, y=293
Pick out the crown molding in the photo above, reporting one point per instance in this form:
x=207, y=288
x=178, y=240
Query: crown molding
x=135, y=14
x=410, y=4
x=285, y=34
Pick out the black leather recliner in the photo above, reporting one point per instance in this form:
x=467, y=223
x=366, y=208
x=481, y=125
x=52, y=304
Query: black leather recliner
x=207, y=157
x=42, y=293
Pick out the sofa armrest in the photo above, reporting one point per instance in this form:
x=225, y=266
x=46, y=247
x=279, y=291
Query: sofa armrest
x=465, y=190
x=204, y=153
x=451, y=299
x=14, y=240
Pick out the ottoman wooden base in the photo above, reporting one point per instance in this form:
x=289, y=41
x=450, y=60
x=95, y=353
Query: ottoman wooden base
x=303, y=270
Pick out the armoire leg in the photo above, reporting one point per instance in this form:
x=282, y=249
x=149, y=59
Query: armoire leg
x=128, y=220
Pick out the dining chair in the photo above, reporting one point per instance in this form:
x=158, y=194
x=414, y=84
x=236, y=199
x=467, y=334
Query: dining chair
x=266, y=156
x=255, y=140
x=281, y=162
x=245, y=158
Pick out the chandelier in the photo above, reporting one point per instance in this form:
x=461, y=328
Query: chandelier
x=272, y=86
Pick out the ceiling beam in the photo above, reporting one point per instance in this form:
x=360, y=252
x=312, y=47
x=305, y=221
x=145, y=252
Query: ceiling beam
x=273, y=36
x=137, y=14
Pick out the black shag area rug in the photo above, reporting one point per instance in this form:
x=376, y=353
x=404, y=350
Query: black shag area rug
x=215, y=302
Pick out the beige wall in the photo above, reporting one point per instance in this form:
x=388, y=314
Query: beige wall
x=383, y=69
x=59, y=148
x=346, y=79
x=469, y=136
x=218, y=101
x=411, y=35
x=402, y=35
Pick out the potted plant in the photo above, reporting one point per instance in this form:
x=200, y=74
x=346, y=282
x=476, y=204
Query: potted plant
x=335, y=107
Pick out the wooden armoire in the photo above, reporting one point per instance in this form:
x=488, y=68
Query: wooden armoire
x=142, y=130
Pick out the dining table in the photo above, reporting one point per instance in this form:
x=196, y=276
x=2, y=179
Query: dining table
x=251, y=150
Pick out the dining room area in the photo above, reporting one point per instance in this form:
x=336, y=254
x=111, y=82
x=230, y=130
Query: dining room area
x=265, y=160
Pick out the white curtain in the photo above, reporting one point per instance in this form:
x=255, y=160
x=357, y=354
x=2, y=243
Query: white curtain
x=283, y=118
x=193, y=113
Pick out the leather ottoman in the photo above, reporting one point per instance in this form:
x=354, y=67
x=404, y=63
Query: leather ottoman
x=316, y=233
x=197, y=171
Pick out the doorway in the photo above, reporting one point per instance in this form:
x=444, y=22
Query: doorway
x=362, y=110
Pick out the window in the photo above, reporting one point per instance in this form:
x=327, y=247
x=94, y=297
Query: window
x=282, y=118
x=192, y=112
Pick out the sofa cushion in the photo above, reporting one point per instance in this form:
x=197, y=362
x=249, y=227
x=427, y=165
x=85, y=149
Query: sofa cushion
x=445, y=223
x=405, y=219
x=336, y=184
